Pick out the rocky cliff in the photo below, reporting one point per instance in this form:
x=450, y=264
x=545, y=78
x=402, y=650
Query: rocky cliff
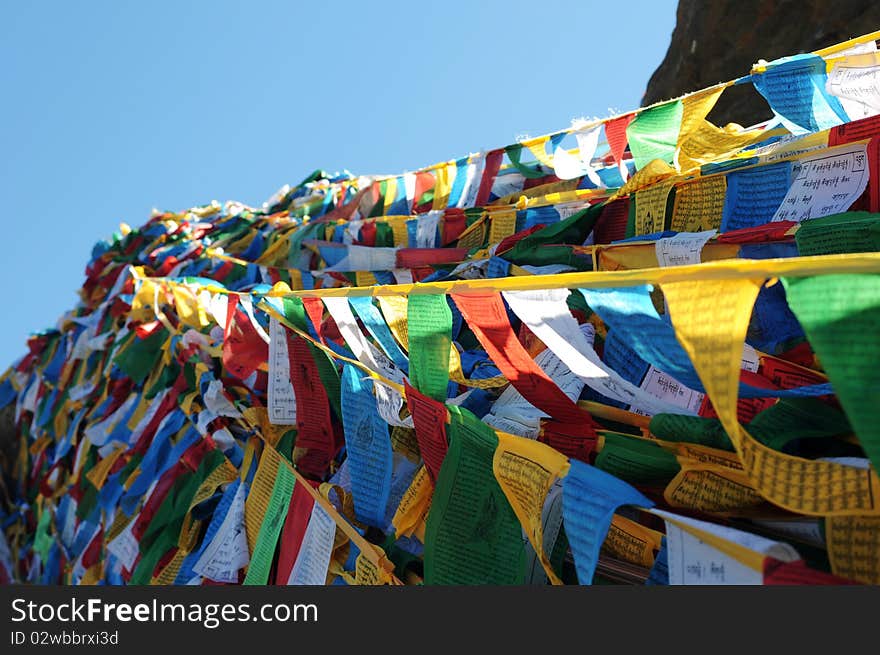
x=719, y=40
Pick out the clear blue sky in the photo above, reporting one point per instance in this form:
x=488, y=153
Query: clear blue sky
x=112, y=108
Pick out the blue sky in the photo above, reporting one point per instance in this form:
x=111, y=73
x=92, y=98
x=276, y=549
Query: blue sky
x=112, y=108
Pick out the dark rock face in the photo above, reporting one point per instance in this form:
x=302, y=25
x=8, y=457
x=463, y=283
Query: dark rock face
x=719, y=40
x=8, y=438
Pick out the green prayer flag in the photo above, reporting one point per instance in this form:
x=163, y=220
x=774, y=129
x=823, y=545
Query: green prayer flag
x=270, y=529
x=840, y=315
x=797, y=418
x=637, y=462
x=690, y=429
x=472, y=534
x=653, y=133
x=42, y=539
x=530, y=171
x=163, y=532
x=138, y=357
x=536, y=250
x=839, y=233
x=430, y=337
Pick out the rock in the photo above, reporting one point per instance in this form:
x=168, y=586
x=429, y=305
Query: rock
x=720, y=40
x=8, y=437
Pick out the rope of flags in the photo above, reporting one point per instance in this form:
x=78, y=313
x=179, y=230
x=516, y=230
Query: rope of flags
x=640, y=350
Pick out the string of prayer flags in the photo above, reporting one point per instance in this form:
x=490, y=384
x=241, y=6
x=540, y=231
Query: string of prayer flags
x=639, y=350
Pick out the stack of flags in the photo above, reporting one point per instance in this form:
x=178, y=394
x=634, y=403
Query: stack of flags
x=641, y=350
